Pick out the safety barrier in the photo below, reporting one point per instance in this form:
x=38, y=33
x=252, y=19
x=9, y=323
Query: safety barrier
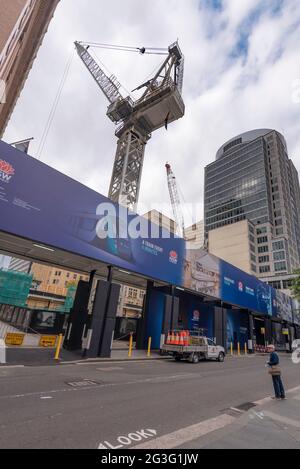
x=239, y=349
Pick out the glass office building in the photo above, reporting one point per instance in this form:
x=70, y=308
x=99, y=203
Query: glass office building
x=253, y=178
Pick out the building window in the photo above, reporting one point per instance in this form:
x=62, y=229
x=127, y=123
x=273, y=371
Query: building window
x=253, y=268
x=262, y=249
x=287, y=284
x=278, y=246
x=262, y=230
x=279, y=266
x=276, y=285
x=279, y=256
x=263, y=239
x=264, y=269
x=279, y=231
x=263, y=259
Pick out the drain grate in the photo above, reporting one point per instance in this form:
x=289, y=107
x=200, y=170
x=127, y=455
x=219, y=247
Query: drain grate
x=238, y=410
x=82, y=384
x=247, y=406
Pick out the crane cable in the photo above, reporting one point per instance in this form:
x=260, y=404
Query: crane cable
x=55, y=105
x=141, y=50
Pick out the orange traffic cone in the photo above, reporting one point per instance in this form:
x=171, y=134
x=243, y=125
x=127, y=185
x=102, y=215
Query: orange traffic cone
x=181, y=341
x=168, y=341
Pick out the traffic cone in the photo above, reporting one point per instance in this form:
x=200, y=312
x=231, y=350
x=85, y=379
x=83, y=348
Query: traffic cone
x=168, y=341
x=186, y=338
x=181, y=341
x=176, y=339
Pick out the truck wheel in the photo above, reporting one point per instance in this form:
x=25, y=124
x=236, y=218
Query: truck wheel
x=177, y=358
x=221, y=357
x=194, y=358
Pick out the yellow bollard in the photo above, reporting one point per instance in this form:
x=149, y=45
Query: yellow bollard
x=130, y=345
x=246, y=349
x=239, y=349
x=58, y=348
x=231, y=349
x=149, y=347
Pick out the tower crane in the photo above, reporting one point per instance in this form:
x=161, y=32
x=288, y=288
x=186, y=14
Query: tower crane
x=160, y=104
x=175, y=201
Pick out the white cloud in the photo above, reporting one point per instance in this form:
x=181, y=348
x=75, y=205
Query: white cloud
x=225, y=93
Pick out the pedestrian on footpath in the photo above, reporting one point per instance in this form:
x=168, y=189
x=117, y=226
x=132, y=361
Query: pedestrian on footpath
x=275, y=372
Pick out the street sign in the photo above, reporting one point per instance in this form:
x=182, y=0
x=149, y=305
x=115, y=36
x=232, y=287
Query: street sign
x=48, y=341
x=14, y=339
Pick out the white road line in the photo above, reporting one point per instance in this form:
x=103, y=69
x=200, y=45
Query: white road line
x=110, y=369
x=179, y=437
x=154, y=380
x=239, y=411
x=266, y=400
x=280, y=418
x=294, y=389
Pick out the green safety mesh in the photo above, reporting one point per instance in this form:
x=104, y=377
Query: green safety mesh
x=14, y=287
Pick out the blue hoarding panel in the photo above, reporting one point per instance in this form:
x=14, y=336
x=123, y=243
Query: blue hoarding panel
x=41, y=204
x=155, y=317
x=245, y=290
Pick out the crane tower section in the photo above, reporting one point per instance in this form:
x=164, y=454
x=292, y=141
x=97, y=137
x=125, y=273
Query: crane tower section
x=160, y=104
x=175, y=201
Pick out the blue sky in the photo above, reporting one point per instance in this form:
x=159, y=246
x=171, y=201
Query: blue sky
x=242, y=67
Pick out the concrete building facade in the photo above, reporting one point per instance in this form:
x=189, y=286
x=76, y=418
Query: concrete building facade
x=194, y=234
x=23, y=25
x=235, y=244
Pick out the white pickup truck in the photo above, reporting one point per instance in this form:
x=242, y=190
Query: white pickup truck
x=206, y=349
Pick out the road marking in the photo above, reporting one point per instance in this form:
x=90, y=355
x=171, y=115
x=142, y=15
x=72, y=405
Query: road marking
x=129, y=439
x=263, y=401
x=46, y=397
x=294, y=389
x=260, y=415
x=280, y=418
x=111, y=368
x=179, y=437
x=239, y=411
x=266, y=400
x=154, y=380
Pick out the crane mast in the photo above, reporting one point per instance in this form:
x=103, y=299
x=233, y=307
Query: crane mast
x=160, y=104
x=175, y=201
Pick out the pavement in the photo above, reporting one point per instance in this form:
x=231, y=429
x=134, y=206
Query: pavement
x=37, y=356
x=151, y=404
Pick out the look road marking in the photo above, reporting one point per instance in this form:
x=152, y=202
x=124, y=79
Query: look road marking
x=129, y=439
x=179, y=437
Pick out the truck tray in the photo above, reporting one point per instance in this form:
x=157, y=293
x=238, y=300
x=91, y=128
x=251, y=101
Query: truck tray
x=184, y=348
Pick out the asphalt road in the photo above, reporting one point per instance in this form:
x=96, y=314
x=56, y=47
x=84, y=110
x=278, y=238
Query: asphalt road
x=87, y=405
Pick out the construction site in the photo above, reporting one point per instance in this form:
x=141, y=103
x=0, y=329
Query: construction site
x=110, y=285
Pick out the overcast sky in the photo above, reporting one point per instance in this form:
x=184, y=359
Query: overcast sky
x=242, y=66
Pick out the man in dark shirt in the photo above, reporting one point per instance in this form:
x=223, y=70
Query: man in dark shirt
x=277, y=381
